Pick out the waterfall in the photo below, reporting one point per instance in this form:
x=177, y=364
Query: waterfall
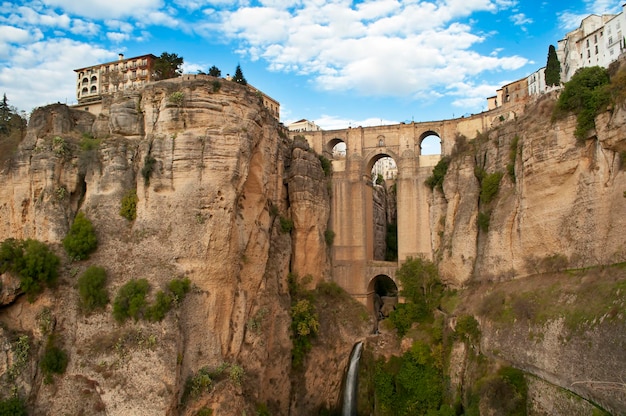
x=352, y=381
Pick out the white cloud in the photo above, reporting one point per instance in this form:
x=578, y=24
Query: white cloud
x=384, y=47
x=44, y=64
x=84, y=28
x=117, y=37
x=520, y=19
x=106, y=9
x=11, y=34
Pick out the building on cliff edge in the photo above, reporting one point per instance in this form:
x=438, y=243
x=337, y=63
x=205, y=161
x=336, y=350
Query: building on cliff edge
x=94, y=82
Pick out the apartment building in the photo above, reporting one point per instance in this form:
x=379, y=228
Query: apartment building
x=598, y=41
x=93, y=82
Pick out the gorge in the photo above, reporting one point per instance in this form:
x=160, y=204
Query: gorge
x=228, y=200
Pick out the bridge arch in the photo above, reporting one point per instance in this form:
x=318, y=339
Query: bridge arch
x=382, y=296
x=430, y=143
x=336, y=147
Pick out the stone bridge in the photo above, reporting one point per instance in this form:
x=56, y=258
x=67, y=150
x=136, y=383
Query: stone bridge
x=354, y=266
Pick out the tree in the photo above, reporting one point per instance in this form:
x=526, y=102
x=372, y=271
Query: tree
x=168, y=65
x=586, y=94
x=215, y=71
x=553, y=68
x=239, y=78
x=81, y=240
x=5, y=114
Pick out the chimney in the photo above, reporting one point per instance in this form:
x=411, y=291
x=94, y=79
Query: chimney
x=120, y=56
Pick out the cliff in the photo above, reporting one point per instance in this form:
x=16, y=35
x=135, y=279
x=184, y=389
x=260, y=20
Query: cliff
x=542, y=260
x=227, y=201
x=214, y=177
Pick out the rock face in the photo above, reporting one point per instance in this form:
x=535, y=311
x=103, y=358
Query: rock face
x=207, y=162
x=563, y=200
x=560, y=205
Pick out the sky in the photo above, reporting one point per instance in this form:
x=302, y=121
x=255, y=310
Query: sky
x=338, y=63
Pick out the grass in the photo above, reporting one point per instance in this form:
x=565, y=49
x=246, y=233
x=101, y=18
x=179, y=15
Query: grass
x=583, y=298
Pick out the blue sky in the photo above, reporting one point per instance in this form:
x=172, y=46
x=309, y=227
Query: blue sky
x=339, y=63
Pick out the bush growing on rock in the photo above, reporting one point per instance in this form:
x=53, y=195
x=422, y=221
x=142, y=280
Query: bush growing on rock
x=54, y=360
x=13, y=406
x=81, y=240
x=92, y=289
x=130, y=301
x=128, y=207
x=32, y=261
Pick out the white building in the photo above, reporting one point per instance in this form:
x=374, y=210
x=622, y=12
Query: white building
x=598, y=41
x=303, y=125
x=537, y=82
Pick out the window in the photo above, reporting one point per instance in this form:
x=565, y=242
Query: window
x=596, y=49
x=587, y=42
x=588, y=53
x=595, y=38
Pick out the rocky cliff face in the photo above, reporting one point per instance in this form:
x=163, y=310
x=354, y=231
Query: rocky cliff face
x=560, y=205
x=210, y=167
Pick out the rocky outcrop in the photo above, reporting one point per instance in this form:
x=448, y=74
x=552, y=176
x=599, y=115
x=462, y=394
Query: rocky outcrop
x=207, y=165
x=560, y=205
x=562, y=200
x=310, y=210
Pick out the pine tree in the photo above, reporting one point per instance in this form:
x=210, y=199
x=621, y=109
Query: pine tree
x=239, y=78
x=215, y=71
x=5, y=115
x=553, y=68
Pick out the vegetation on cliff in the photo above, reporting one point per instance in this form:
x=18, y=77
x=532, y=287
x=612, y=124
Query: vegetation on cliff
x=586, y=94
x=32, y=261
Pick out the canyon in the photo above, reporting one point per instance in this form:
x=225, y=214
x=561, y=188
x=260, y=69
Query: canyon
x=226, y=199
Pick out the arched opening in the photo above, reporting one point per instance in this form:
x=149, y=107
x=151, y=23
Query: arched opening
x=85, y=81
x=430, y=144
x=337, y=148
x=84, y=91
x=383, y=171
x=94, y=79
x=382, y=297
x=93, y=90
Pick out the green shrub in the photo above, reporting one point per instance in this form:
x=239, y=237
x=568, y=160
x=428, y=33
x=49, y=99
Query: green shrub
x=412, y=384
x=13, y=406
x=32, y=261
x=205, y=411
x=177, y=98
x=236, y=374
x=54, y=360
x=197, y=384
x=128, y=207
x=92, y=289
x=216, y=85
x=586, y=94
x=286, y=225
x=160, y=307
x=329, y=237
x=483, y=220
x=489, y=187
x=130, y=301
x=304, y=326
x=506, y=392
x=179, y=288
x=89, y=143
x=467, y=328
x=327, y=166
x=81, y=239
x=439, y=173
x=512, y=158
x=148, y=168
x=422, y=290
